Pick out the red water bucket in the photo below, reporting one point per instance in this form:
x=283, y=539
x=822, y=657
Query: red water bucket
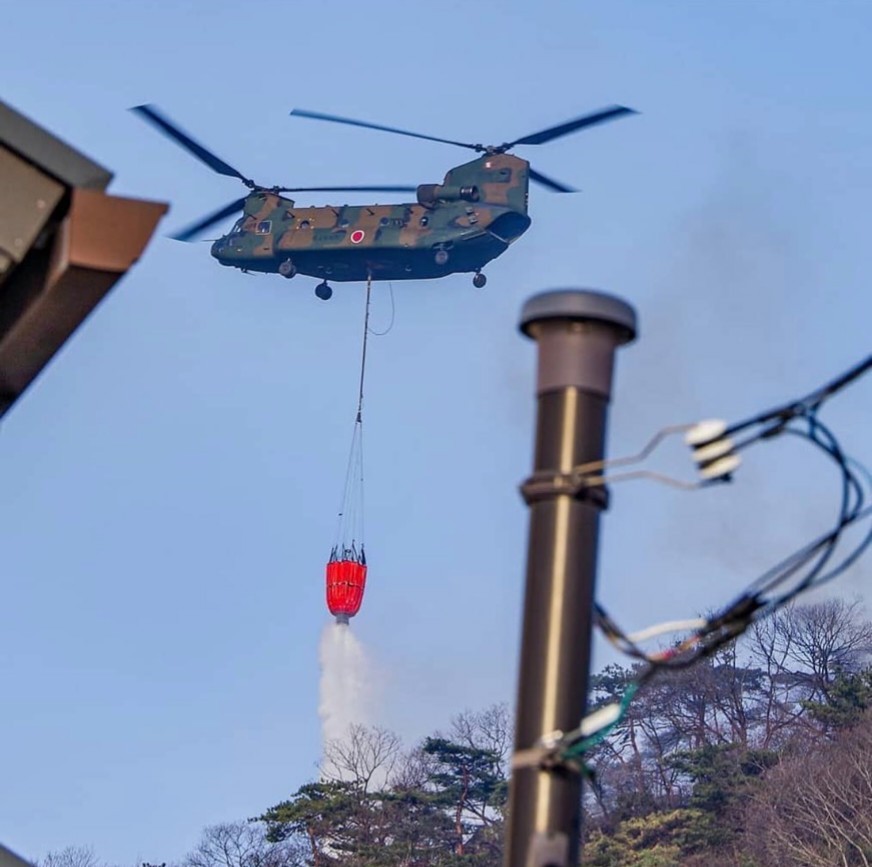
x=346, y=581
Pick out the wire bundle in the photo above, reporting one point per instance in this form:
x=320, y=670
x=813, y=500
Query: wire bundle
x=810, y=566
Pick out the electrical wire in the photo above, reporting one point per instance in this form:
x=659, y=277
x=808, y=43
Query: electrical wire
x=664, y=628
x=810, y=402
x=776, y=587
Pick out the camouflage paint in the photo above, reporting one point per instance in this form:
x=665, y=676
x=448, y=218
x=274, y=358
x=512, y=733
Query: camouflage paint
x=473, y=216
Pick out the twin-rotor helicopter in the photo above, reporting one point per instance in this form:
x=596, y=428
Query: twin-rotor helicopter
x=457, y=226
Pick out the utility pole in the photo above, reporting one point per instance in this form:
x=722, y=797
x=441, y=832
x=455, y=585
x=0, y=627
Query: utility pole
x=577, y=332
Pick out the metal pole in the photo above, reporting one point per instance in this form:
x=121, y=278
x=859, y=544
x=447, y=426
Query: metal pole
x=577, y=332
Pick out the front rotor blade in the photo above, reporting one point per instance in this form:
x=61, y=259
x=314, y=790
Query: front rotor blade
x=555, y=186
x=315, y=115
x=154, y=117
x=605, y=114
x=193, y=230
x=346, y=189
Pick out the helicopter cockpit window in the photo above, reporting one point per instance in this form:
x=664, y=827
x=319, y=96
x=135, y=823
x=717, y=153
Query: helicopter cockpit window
x=237, y=226
x=264, y=227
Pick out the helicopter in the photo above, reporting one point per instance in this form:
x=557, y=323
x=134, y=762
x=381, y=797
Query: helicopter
x=460, y=225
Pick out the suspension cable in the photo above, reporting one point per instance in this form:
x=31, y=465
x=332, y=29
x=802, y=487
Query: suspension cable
x=363, y=353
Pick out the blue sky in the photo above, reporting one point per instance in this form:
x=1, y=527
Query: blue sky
x=171, y=480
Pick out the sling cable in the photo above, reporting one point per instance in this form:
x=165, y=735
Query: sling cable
x=346, y=568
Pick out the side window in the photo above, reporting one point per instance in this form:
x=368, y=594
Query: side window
x=305, y=224
x=425, y=220
x=264, y=227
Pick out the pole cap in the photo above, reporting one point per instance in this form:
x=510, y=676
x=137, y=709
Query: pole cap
x=580, y=305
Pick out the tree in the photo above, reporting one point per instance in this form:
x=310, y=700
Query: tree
x=468, y=781
x=655, y=840
x=439, y=805
x=241, y=844
x=848, y=697
x=702, y=740
x=489, y=729
x=813, y=808
x=367, y=755
x=323, y=817
x=815, y=643
x=71, y=856
x=723, y=776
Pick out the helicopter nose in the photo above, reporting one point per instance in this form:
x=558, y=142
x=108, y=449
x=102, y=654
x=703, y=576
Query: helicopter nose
x=218, y=248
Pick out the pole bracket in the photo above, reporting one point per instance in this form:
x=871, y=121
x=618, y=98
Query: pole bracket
x=548, y=484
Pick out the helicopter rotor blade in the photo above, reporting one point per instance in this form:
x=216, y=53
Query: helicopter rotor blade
x=190, y=232
x=554, y=186
x=613, y=112
x=315, y=115
x=345, y=189
x=169, y=129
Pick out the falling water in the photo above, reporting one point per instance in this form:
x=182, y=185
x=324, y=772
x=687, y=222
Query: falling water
x=346, y=682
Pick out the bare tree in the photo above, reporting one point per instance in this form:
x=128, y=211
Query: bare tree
x=827, y=638
x=489, y=729
x=813, y=808
x=802, y=651
x=240, y=844
x=367, y=756
x=71, y=856
x=757, y=694
x=411, y=771
x=779, y=708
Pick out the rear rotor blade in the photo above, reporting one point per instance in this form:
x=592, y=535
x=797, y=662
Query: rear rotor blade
x=605, y=114
x=555, y=186
x=194, y=229
x=315, y=115
x=156, y=119
x=345, y=189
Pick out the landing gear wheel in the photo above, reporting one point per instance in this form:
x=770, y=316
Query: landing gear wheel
x=323, y=291
x=479, y=280
x=287, y=269
x=441, y=257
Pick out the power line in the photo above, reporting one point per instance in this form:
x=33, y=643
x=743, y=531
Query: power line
x=782, y=583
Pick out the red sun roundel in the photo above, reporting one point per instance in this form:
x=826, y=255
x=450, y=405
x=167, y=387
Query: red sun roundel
x=357, y=236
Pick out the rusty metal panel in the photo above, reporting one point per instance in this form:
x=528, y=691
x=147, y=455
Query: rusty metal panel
x=108, y=233
x=101, y=237
x=29, y=199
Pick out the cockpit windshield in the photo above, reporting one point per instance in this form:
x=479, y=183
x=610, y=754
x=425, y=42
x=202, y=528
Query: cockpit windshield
x=237, y=226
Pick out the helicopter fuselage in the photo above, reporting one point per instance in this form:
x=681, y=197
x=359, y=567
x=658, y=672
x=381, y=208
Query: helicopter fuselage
x=457, y=226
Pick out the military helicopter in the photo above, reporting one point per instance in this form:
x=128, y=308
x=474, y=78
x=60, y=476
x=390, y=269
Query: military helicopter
x=460, y=225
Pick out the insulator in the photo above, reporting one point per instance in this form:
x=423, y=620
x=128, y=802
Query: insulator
x=705, y=431
x=720, y=468
x=712, y=450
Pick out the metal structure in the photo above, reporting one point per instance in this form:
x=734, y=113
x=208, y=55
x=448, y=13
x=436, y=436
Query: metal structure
x=577, y=332
x=64, y=242
x=9, y=859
